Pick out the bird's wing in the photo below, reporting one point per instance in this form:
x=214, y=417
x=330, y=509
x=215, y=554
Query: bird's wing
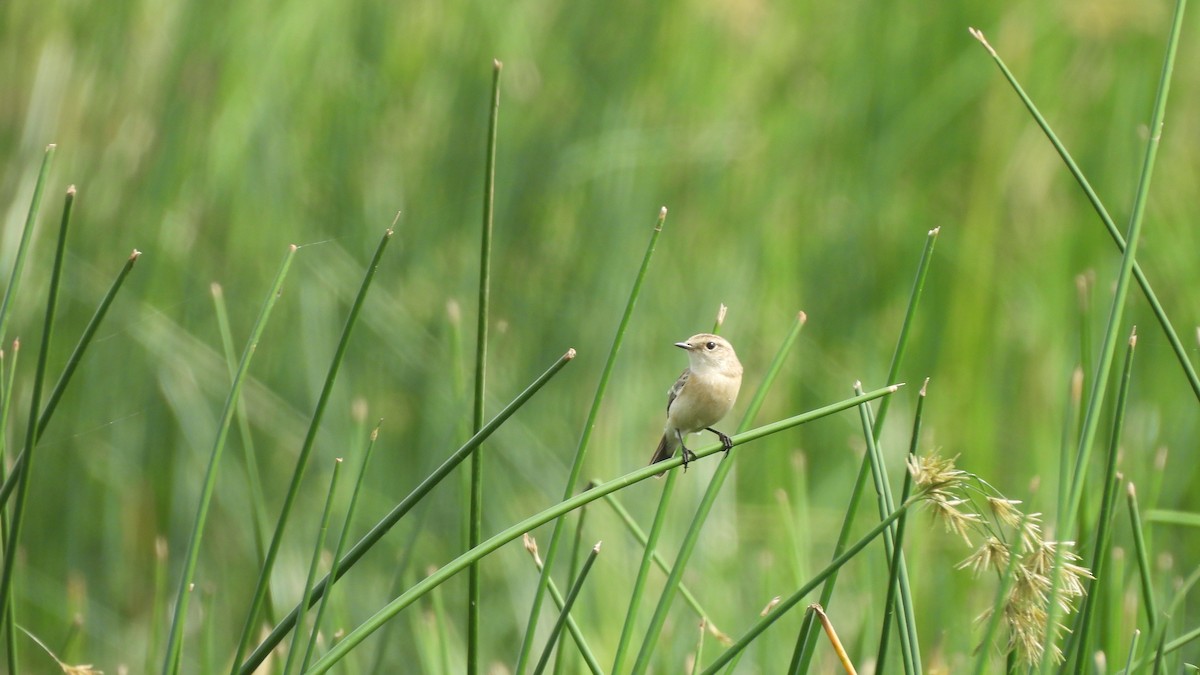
x=673, y=392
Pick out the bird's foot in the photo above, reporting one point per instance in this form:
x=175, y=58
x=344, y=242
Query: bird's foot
x=688, y=456
x=725, y=440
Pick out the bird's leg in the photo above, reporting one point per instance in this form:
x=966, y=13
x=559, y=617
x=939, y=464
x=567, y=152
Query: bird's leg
x=725, y=440
x=688, y=455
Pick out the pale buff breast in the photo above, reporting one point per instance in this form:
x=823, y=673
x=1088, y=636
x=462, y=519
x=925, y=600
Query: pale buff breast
x=703, y=402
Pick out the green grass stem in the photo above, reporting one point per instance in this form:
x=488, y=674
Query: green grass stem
x=341, y=545
x=485, y=548
x=573, y=569
x=898, y=545
x=319, y=545
x=22, y=500
x=475, y=528
x=686, y=548
x=1102, y=539
x=563, y=615
x=381, y=528
x=886, y=503
x=914, y=301
x=85, y=339
x=1159, y=313
x=786, y=605
x=1103, y=368
x=175, y=636
x=1167, y=517
x=254, y=482
x=649, y=550
x=807, y=637
x=7, y=381
x=559, y=602
x=662, y=565
x=1143, y=560
x=310, y=438
x=584, y=438
x=14, y=280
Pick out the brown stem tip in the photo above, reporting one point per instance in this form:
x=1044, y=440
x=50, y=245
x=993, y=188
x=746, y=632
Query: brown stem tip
x=135, y=255
x=924, y=386
x=570, y=354
x=802, y=318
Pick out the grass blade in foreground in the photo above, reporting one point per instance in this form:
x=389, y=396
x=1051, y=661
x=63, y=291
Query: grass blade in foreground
x=175, y=637
x=264, y=577
x=1103, y=525
x=18, y=513
x=784, y=606
x=667, y=595
x=475, y=527
x=1159, y=312
x=455, y=566
x=294, y=652
x=572, y=595
x=341, y=544
x=581, y=451
x=14, y=281
x=807, y=637
x=1100, y=381
x=387, y=522
x=897, y=546
x=85, y=339
x=642, y=539
x=588, y=658
x=883, y=494
x=1143, y=561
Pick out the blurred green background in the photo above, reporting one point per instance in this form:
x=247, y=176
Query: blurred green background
x=803, y=150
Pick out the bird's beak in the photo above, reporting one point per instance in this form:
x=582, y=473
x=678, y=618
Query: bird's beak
x=683, y=345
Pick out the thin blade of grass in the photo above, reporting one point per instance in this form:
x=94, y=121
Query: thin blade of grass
x=341, y=544
x=18, y=513
x=289, y=500
x=175, y=636
x=487, y=547
x=898, y=544
x=1176, y=344
x=1107, y=504
x=381, y=528
x=573, y=571
x=807, y=637
x=581, y=450
x=1143, y=560
x=1166, y=517
x=588, y=657
x=254, y=481
x=475, y=529
x=14, y=280
x=662, y=565
x=326, y=515
x=786, y=605
x=1104, y=367
x=650, y=548
x=6, y=381
x=883, y=492
x=572, y=596
x=667, y=594
x=85, y=339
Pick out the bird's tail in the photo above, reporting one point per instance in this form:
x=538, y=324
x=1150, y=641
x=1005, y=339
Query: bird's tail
x=665, y=451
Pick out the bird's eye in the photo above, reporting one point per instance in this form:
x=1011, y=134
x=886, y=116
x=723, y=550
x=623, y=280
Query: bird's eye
x=710, y=346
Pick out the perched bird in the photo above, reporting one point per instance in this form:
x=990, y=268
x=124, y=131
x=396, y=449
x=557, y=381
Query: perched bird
x=701, y=396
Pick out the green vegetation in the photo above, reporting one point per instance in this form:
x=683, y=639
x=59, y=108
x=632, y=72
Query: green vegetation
x=810, y=155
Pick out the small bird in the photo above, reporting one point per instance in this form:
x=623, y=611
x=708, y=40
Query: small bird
x=702, y=395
